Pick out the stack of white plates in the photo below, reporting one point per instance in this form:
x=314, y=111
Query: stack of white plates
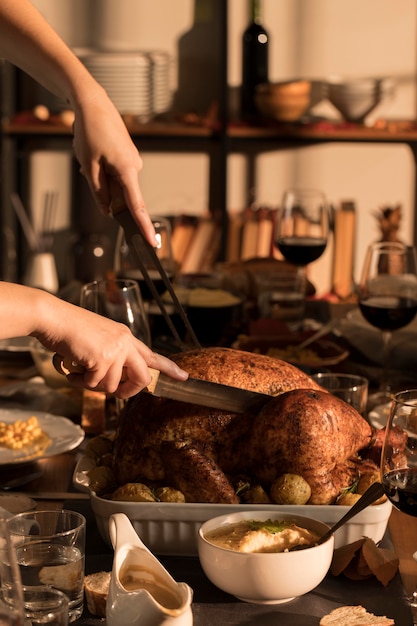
x=137, y=82
x=126, y=76
x=161, y=79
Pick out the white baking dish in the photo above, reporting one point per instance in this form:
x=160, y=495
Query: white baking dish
x=171, y=528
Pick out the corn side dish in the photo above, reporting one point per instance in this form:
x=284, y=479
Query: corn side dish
x=22, y=434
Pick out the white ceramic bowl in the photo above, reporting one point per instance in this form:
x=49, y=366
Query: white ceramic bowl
x=265, y=578
x=355, y=99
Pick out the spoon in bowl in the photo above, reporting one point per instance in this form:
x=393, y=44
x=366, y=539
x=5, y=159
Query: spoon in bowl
x=373, y=492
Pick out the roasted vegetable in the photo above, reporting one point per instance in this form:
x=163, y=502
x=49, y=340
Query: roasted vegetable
x=134, y=492
x=290, y=489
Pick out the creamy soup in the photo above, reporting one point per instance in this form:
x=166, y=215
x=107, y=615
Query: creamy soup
x=134, y=578
x=260, y=536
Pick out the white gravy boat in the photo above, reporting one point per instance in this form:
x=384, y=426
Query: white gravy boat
x=142, y=592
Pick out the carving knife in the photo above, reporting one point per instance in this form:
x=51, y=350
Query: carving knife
x=192, y=390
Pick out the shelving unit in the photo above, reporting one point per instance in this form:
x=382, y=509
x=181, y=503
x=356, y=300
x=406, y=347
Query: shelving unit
x=218, y=141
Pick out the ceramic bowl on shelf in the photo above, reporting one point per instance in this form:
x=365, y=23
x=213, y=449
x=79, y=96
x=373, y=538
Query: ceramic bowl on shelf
x=355, y=99
x=284, y=101
x=265, y=577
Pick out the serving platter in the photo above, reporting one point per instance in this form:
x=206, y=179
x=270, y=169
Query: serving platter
x=170, y=528
x=64, y=436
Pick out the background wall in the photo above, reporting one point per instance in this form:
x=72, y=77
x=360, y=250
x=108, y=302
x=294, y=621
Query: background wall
x=308, y=39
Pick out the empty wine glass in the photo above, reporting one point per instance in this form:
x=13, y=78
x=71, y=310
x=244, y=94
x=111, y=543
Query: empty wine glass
x=11, y=597
x=119, y=300
x=302, y=226
x=125, y=265
x=387, y=297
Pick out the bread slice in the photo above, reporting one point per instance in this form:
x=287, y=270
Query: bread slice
x=354, y=616
x=96, y=589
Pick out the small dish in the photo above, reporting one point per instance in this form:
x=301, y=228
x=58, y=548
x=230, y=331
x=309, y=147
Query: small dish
x=321, y=353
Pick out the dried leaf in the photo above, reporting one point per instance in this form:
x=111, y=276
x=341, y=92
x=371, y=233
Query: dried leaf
x=382, y=562
x=343, y=556
x=362, y=559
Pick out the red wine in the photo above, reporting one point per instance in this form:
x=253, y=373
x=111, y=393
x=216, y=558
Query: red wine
x=254, y=61
x=301, y=250
x=388, y=312
x=143, y=286
x=401, y=488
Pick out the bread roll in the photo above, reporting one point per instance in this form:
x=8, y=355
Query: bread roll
x=96, y=589
x=354, y=616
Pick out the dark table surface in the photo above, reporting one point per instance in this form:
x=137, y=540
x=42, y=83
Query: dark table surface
x=212, y=607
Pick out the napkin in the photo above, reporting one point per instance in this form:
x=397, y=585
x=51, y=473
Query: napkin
x=363, y=559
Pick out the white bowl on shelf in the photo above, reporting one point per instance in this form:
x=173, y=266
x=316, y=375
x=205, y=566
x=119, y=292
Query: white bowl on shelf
x=355, y=99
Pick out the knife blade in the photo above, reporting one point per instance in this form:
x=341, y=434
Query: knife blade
x=205, y=393
x=192, y=390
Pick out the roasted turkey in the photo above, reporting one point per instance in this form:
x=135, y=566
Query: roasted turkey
x=202, y=451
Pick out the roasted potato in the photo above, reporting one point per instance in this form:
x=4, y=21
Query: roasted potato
x=134, y=492
x=102, y=480
x=98, y=447
x=169, y=494
x=366, y=480
x=255, y=495
x=290, y=489
x=348, y=498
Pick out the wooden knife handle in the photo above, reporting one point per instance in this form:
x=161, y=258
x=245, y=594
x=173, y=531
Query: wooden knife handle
x=155, y=375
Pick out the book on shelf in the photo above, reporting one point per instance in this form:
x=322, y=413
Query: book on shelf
x=343, y=249
x=195, y=242
x=183, y=229
x=251, y=234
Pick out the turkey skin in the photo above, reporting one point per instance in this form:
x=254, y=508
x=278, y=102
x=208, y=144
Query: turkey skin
x=203, y=452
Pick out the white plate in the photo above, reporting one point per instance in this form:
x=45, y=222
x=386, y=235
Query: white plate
x=64, y=435
x=379, y=415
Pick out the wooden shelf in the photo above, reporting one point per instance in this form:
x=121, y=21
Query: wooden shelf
x=152, y=129
x=395, y=132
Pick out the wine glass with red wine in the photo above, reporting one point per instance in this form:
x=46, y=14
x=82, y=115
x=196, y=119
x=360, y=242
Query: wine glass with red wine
x=387, y=298
x=399, y=458
x=302, y=226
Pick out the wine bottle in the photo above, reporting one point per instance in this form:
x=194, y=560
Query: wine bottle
x=255, y=42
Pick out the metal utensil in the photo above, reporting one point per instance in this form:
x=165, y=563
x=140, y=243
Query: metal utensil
x=144, y=253
x=373, y=492
x=322, y=331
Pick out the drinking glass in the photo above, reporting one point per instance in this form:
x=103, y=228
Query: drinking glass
x=50, y=550
x=11, y=597
x=119, y=300
x=45, y=605
x=302, y=226
x=125, y=265
x=399, y=458
x=387, y=297
x=351, y=388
